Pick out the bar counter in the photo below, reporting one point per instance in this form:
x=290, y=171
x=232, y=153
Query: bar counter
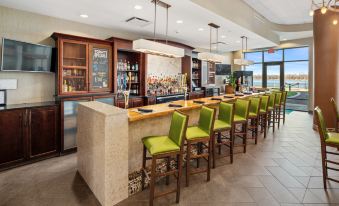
x=109, y=141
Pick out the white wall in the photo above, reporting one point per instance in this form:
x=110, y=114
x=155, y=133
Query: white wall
x=34, y=28
x=158, y=65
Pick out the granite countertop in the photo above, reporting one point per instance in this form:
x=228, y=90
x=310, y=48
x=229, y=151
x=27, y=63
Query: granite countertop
x=28, y=105
x=164, y=109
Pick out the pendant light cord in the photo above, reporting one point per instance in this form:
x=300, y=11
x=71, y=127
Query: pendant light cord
x=167, y=25
x=155, y=18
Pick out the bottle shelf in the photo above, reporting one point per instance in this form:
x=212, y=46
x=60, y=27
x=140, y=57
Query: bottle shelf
x=73, y=77
x=74, y=67
x=128, y=70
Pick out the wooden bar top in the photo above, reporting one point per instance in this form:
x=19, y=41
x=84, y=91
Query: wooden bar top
x=164, y=109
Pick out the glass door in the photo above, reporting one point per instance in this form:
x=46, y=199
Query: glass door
x=273, y=75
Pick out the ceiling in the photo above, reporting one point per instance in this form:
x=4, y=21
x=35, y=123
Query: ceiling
x=113, y=13
x=283, y=11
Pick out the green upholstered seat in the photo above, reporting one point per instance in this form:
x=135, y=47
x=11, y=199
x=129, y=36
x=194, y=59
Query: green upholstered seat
x=278, y=96
x=160, y=144
x=283, y=97
x=225, y=117
x=195, y=132
x=172, y=142
x=264, y=103
x=205, y=125
x=255, y=106
x=241, y=110
x=333, y=138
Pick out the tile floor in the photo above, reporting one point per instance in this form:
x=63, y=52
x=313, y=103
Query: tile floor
x=283, y=169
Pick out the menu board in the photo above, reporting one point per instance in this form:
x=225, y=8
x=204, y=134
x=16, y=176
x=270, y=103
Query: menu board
x=100, y=68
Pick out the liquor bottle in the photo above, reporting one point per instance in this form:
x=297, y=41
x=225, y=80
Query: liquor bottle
x=133, y=67
x=125, y=65
x=128, y=66
x=136, y=66
x=65, y=86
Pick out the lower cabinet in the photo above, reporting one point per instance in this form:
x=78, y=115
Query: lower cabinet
x=28, y=134
x=132, y=102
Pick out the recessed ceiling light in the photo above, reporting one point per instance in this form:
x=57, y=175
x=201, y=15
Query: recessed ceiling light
x=137, y=7
x=201, y=29
x=180, y=21
x=238, y=41
x=223, y=36
x=83, y=15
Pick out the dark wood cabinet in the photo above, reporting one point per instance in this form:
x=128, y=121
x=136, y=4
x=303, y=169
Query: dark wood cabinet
x=196, y=95
x=28, y=134
x=43, y=136
x=12, y=145
x=132, y=102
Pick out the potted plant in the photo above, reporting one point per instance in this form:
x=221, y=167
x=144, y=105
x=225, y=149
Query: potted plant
x=230, y=84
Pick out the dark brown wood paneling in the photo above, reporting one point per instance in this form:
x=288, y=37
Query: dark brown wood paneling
x=43, y=131
x=186, y=69
x=12, y=142
x=326, y=63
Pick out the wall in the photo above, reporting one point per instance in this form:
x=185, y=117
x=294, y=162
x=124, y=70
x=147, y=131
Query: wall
x=34, y=28
x=158, y=65
x=290, y=44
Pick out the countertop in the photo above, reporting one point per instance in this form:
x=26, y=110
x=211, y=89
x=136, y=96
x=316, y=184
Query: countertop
x=28, y=105
x=164, y=109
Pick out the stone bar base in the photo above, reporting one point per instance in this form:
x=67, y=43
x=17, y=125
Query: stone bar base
x=102, y=141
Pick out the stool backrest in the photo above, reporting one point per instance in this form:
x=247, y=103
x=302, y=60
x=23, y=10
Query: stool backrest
x=321, y=124
x=335, y=107
x=178, y=127
x=272, y=100
x=242, y=108
x=278, y=98
x=255, y=105
x=206, y=119
x=226, y=112
x=264, y=102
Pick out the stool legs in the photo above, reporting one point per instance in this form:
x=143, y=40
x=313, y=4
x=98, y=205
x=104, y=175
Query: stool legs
x=220, y=143
x=143, y=167
x=152, y=182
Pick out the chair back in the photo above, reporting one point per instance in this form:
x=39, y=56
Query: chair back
x=255, y=105
x=272, y=100
x=206, y=119
x=242, y=108
x=283, y=98
x=321, y=124
x=278, y=98
x=335, y=107
x=178, y=127
x=264, y=102
x=226, y=112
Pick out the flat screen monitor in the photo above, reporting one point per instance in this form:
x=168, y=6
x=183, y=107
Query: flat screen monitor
x=22, y=56
x=223, y=69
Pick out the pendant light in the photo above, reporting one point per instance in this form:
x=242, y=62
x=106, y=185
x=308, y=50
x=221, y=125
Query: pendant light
x=242, y=61
x=157, y=48
x=324, y=6
x=209, y=56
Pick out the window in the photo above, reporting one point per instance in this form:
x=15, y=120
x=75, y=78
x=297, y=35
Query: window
x=296, y=54
x=254, y=56
x=296, y=75
x=277, y=56
x=257, y=74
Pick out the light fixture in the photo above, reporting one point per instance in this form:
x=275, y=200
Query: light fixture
x=284, y=39
x=201, y=29
x=242, y=61
x=325, y=5
x=223, y=36
x=157, y=48
x=84, y=16
x=137, y=7
x=335, y=22
x=209, y=56
x=180, y=21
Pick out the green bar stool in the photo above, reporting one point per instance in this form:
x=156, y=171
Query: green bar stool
x=240, y=119
x=336, y=111
x=283, y=105
x=277, y=107
x=263, y=113
x=223, y=124
x=254, y=117
x=200, y=136
x=327, y=139
x=166, y=147
x=271, y=111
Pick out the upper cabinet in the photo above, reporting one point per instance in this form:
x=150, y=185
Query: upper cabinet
x=84, y=65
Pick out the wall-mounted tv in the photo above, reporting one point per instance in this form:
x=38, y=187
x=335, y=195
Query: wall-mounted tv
x=27, y=57
x=223, y=69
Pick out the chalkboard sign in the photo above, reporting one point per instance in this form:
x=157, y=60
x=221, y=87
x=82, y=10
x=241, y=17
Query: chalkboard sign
x=223, y=69
x=100, y=68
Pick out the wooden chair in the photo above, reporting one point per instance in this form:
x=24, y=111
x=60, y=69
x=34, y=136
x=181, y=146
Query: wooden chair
x=165, y=148
x=200, y=136
x=327, y=139
x=263, y=114
x=253, y=117
x=336, y=111
x=221, y=125
x=241, y=118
